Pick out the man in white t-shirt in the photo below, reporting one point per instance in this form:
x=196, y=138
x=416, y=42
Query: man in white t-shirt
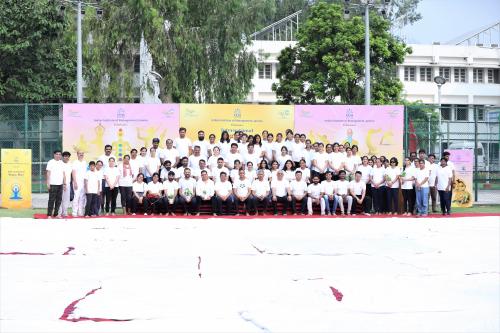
x=444, y=179
x=342, y=193
x=328, y=187
x=224, y=194
x=187, y=192
x=202, y=144
x=280, y=188
x=296, y=149
x=107, y=155
x=314, y=196
x=56, y=183
x=171, y=192
x=68, y=169
x=183, y=144
x=251, y=155
x=298, y=188
x=432, y=181
x=320, y=162
x=205, y=192
x=422, y=189
x=194, y=160
x=91, y=187
x=450, y=165
x=78, y=177
x=232, y=156
x=219, y=169
x=170, y=153
x=242, y=190
x=136, y=163
x=260, y=192
x=357, y=188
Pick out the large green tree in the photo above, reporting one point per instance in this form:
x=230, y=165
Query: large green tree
x=36, y=53
x=327, y=63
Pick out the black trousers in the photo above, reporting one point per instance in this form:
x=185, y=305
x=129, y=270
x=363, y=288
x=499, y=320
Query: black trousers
x=212, y=200
x=55, y=199
x=445, y=200
x=247, y=202
x=303, y=205
x=284, y=201
x=408, y=200
x=134, y=204
x=111, y=195
x=126, y=196
x=378, y=196
x=103, y=194
x=260, y=203
x=187, y=207
x=154, y=205
x=392, y=195
x=89, y=206
x=229, y=204
x=367, y=204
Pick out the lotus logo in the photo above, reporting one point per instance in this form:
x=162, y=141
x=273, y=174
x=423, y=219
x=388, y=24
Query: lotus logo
x=237, y=113
x=190, y=113
x=305, y=114
x=16, y=192
x=284, y=113
x=349, y=114
x=120, y=114
x=168, y=113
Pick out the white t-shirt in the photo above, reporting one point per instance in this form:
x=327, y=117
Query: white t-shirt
x=321, y=160
x=182, y=146
x=366, y=172
x=336, y=160
x=250, y=174
x=234, y=174
x=451, y=165
x=314, y=190
x=204, y=189
x=443, y=177
x=432, y=177
x=187, y=186
x=170, y=187
x=194, y=161
x=306, y=174
x=164, y=172
x=268, y=149
x=281, y=187
x=225, y=148
x=357, y=187
x=136, y=165
x=342, y=187
x=351, y=163
x=196, y=173
x=203, y=147
x=298, y=187
x=80, y=169
x=393, y=173
x=408, y=184
x=297, y=151
x=328, y=187
x=105, y=159
x=153, y=164
x=242, y=186
x=254, y=158
x=139, y=187
x=289, y=175
x=93, y=181
x=282, y=160
x=125, y=181
x=68, y=168
x=231, y=158
x=260, y=187
x=217, y=171
x=378, y=175
x=212, y=161
x=155, y=188
x=267, y=174
x=421, y=175
x=112, y=174
x=223, y=188
x=170, y=155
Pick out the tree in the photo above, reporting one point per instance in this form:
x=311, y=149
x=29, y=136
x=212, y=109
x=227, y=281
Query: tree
x=327, y=63
x=425, y=120
x=36, y=54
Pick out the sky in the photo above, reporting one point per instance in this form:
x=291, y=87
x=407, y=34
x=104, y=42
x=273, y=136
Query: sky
x=445, y=20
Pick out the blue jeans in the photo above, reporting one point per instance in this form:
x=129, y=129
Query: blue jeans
x=330, y=205
x=422, y=200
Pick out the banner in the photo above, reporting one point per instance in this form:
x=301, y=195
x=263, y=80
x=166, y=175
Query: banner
x=249, y=118
x=463, y=194
x=376, y=130
x=16, y=178
x=89, y=127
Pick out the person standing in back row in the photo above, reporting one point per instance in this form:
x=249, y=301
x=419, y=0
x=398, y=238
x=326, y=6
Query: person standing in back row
x=66, y=197
x=56, y=183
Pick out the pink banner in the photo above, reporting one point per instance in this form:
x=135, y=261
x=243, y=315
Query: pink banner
x=89, y=127
x=376, y=130
x=463, y=162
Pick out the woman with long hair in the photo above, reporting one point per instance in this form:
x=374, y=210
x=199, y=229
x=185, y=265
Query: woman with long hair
x=289, y=169
x=225, y=143
x=125, y=183
x=392, y=181
x=378, y=186
x=139, y=188
x=264, y=167
x=407, y=181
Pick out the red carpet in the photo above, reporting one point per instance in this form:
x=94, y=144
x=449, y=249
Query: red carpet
x=270, y=216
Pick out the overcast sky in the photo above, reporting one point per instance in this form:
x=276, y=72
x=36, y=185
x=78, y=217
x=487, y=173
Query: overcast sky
x=445, y=20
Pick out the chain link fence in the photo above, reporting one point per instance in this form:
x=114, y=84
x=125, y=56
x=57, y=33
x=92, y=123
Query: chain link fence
x=39, y=127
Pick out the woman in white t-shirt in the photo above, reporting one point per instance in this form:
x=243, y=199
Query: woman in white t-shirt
x=392, y=181
x=250, y=171
x=366, y=173
x=283, y=157
x=126, y=179
x=139, y=188
x=152, y=165
x=289, y=170
x=265, y=169
x=275, y=167
x=212, y=160
x=407, y=179
x=378, y=187
x=111, y=176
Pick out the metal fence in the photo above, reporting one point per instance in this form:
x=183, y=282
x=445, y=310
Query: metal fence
x=39, y=128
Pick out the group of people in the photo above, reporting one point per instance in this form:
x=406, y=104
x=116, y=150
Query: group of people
x=253, y=172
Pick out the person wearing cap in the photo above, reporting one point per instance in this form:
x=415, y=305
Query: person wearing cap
x=281, y=192
x=260, y=193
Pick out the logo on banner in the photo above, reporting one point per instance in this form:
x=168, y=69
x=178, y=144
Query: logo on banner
x=190, y=113
x=168, y=113
x=237, y=113
x=305, y=114
x=349, y=114
x=285, y=114
x=16, y=190
x=120, y=114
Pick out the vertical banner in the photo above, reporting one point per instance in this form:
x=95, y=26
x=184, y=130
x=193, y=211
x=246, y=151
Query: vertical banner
x=249, y=118
x=16, y=178
x=89, y=127
x=463, y=193
x=375, y=129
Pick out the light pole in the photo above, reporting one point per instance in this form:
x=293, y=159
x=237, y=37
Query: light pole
x=366, y=5
x=439, y=80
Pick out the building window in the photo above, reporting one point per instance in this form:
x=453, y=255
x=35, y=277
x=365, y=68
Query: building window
x=478, y=75
x=446, y=112
x=494, y=150
x=493, y=75
x=479, y=112
x=137, y=64
x=461, y=113
x=460, y=74
x=445, y=72
x=426, y=74
x=265, y=71
x=410, y=73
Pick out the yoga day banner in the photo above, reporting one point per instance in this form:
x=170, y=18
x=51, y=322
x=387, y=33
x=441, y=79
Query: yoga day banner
x=89, y=127
x=16, y=178
x=249, y=118
x=375, y=129
x=462, y=194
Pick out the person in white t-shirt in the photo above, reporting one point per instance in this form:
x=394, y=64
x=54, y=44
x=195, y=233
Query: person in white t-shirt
x=170, y=153
x=232, y=156
x=366, y=172
x=183, y=164
x=443, y=183
x=298, y=188
x=328, y=187
x=194, y=160
x=154, y=196
x=91, y=187
x=336, y=161
x=152, y=165
x=68, y=169
x=78, y=178
x=224, y=194
x=314, y=196
x=139, y=189
x=407, y=181
x=320, y=162
x=250, y=171
x=107, y=155
x=422, y=189
x=99, y=206
x=125, y=183
x=111, y=177
x=170, y=192
x=280, y=188
x=242, y=190
x=378, y=186
x=165, y=169
x=211, y=144
x=432, y=181
x=306, y=172
x=202, y=144
x=357, y=188
x=212, y=160
x=296, y=148
x=422, y=155
x=350, y=163
x=251, y=155
x=269, y=148
x=289, y=170
x=205, y=192
x=342, y=193
x=187, y=192
x=136, y=163
x=260, y=192
x=202, y=166
x=283, y=157
x=183, y=144
x=392, y=175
